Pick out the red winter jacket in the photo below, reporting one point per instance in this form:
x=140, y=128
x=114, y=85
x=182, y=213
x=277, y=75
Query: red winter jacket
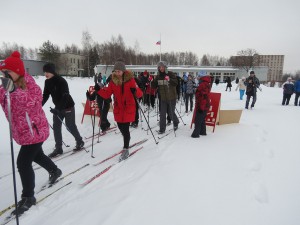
x=124, y=102
x=150, y=90
x=29, y=123
x=202, y=94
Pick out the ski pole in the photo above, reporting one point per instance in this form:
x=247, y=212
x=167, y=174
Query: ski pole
x=12, y=156
x=61, y=120
x=156, y=142
x=61, y=140
x=93, y=124
x=180, y=117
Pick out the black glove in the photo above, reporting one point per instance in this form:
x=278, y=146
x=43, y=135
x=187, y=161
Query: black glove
x=88, y=96
x=133, y=90
x=8, y=84
x=55, y=111
x=97, y=87
x=200, y=111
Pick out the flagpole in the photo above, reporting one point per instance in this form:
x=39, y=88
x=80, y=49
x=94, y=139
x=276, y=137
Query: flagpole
x=160, y=47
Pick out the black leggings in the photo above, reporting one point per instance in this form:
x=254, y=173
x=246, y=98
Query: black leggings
x=27, y=155
x=124, y=128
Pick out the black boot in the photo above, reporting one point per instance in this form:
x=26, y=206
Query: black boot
x=79, y=146
x=54, y=175
x=56, y=152
x=24, y=205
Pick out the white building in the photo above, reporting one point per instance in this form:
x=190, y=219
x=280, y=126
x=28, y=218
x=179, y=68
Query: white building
x=221, y=72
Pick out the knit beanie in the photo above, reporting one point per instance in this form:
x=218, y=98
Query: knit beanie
x=162, y=63
x=120, y=65
x=252, y=72
x=14, y=63
x=49, y=68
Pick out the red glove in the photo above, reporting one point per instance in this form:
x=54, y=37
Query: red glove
x=167, y=78
x=150, y=78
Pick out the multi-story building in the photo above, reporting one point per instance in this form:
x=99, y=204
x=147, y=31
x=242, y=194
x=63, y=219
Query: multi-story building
x=275, y=64
x=71, y=64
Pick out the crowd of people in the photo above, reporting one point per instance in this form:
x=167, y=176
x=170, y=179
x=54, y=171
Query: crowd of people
x=127, y=92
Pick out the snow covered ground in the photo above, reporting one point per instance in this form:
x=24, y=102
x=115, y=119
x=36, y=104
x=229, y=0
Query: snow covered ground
x=243, y=174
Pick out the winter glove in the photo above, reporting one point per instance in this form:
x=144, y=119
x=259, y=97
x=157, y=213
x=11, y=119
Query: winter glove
x=133, y=91
x=200, y=111
x=8, y=84
x=150, y=78
x=97, y=87
x=88, y=97
x=167, y=78
x=55, y=111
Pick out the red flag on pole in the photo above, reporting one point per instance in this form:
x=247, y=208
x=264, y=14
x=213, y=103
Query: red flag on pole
x=158, y=43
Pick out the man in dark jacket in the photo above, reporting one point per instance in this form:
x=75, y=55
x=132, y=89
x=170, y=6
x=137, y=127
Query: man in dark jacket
x=252, y=83
x=57, y=87
x=297, y=92
x=166, y=82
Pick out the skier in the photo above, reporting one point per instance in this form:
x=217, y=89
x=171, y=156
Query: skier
x=29, y=126
x=288, y=90
x=103, y=104
x=189, y=94
x=57, y=87
x=252, y=83
x=125, y=91
x=166, y=82
x=202, y=104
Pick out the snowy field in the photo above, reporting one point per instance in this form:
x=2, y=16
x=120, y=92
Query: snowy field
x=242, y=174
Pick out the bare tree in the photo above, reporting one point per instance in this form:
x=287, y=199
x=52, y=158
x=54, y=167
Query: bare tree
x=204, y=61
x=245, y=59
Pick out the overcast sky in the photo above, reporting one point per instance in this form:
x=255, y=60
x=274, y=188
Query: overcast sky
x=201, y=26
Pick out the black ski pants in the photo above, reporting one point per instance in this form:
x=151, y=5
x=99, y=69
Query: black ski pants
x=27, y=155
x=124, y=128
x=248, y=100
x=297, y=94
x=189, y=98
x=286, y=99
x=200, y=127
x=69, y=116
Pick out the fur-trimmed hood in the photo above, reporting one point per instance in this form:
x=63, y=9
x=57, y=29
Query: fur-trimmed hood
x=128, y=75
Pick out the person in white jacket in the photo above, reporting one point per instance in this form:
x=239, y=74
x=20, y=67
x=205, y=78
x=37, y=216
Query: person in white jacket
x=242, y=87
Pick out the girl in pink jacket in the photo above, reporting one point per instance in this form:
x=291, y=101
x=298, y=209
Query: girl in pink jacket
x=29, y=125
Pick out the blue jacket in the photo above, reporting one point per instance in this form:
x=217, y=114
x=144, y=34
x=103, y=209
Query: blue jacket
x=297, y=86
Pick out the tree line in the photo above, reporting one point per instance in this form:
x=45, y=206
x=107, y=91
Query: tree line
x=108, y=52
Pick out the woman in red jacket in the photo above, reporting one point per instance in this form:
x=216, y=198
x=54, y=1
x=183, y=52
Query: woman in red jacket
x=202, y=104
x=125, y=91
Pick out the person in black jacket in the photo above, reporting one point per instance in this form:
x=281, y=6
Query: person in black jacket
x=251, y=83
x=57, y=87
x=103, y=104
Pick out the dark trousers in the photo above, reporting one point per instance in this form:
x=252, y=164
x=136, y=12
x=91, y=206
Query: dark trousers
x=200, y=127
x=167, y=106
x=27, y=155
x=189, y=98
x=124, y=128
x=69, y=116
x=104, y=106
x=248, y=100
x=149, y=100
x=137, y=116
x=286, y=99
x=296, y=98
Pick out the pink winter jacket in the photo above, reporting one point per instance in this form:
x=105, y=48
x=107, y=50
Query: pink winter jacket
x=29, y=122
